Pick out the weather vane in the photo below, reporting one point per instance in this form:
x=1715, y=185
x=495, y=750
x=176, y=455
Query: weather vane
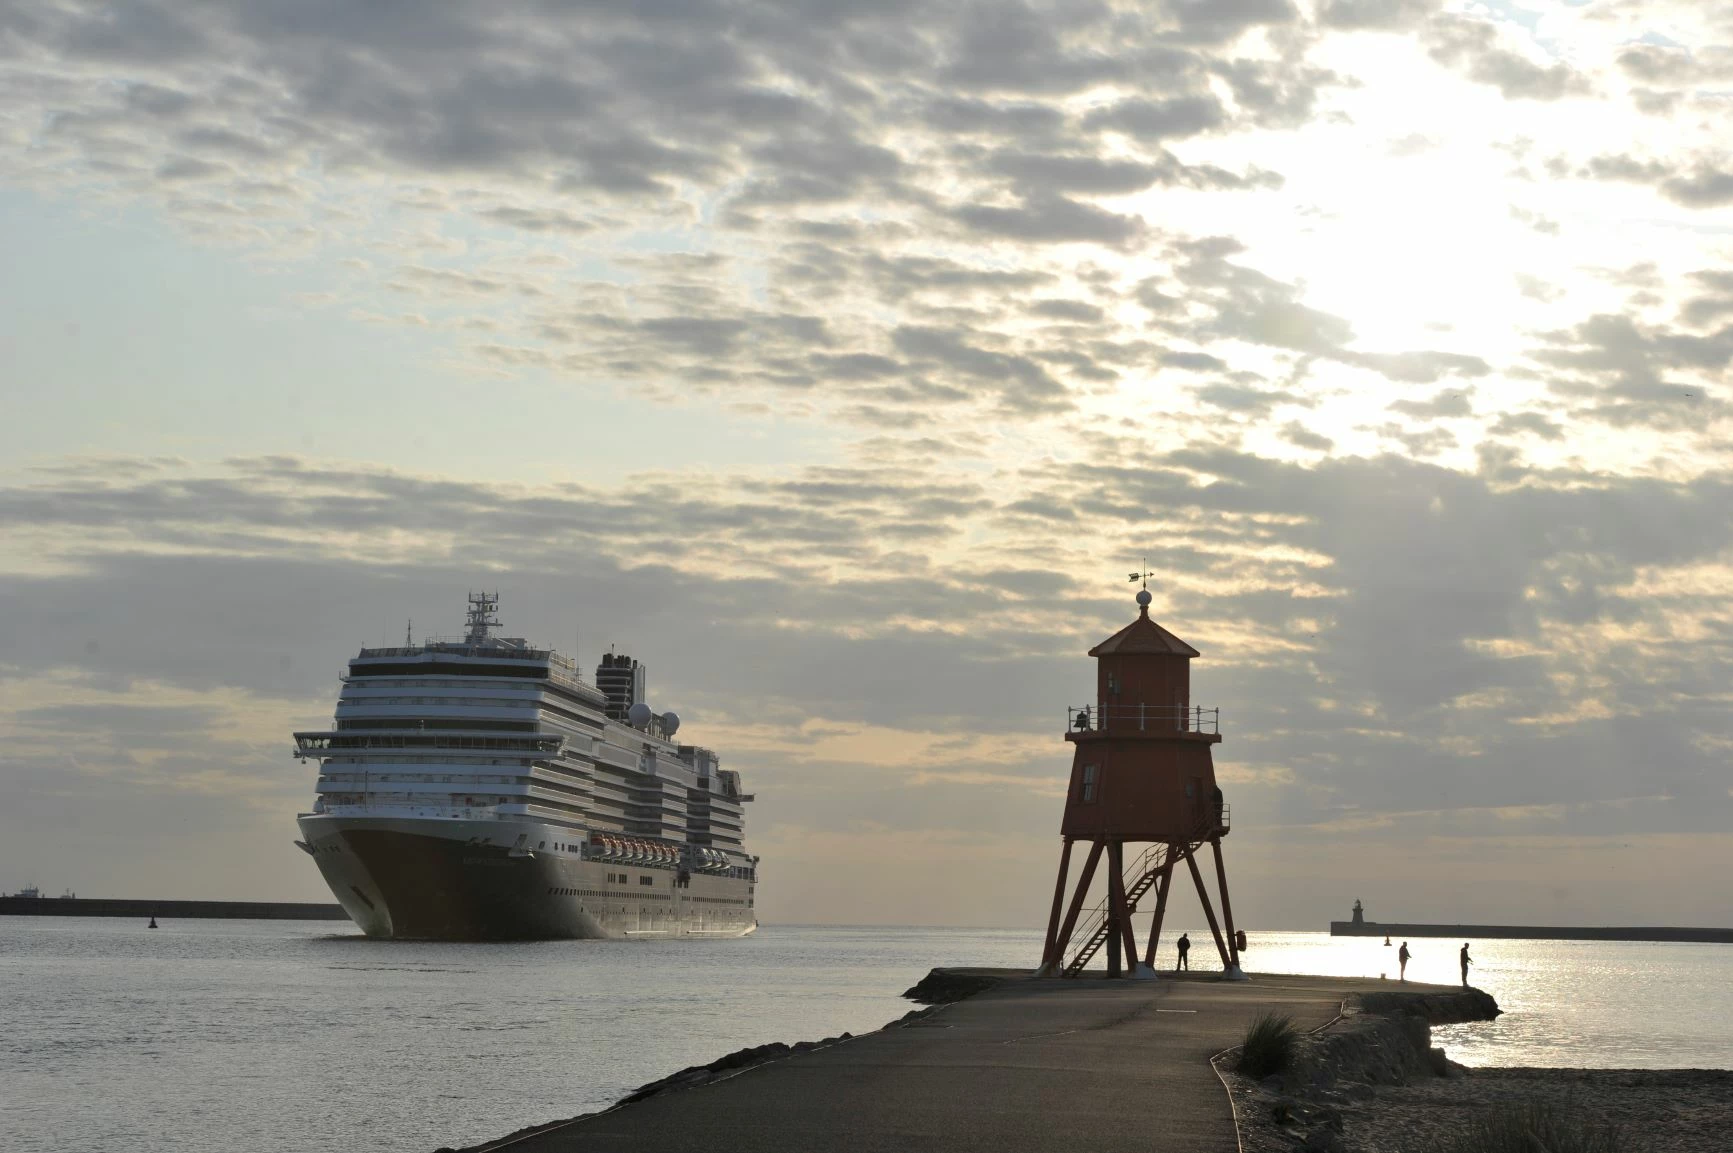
x=1143, y=573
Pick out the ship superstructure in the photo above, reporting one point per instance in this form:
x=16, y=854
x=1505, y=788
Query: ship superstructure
x=480, y=788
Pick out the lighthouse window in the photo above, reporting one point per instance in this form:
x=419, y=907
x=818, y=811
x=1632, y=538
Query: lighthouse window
x=1088, y=783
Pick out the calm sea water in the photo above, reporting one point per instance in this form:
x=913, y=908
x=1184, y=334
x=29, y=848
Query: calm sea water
x=282, y=1037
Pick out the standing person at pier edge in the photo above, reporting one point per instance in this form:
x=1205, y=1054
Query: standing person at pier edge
x=1466, y=962
x=1402, y=956
x=1184, y=961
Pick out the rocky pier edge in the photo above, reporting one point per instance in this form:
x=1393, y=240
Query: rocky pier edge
x=724, y=1067
x=1380, y=1039
x=940, y=987
x=943, y=986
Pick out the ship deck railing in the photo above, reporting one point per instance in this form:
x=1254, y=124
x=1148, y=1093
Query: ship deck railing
x=459, y=646
x=352, y=742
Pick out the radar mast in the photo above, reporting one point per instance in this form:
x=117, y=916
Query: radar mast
x=483, y=615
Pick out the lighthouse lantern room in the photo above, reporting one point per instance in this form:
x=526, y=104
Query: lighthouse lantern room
x=1141, y=776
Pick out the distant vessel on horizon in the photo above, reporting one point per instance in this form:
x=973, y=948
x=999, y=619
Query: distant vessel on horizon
x=480, y=789
x=33, y=893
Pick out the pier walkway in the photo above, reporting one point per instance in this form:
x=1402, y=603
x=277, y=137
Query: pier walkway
x=1041, y=1066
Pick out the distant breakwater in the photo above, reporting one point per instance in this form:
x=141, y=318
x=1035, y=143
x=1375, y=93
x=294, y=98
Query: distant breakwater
x=1531, y=932
x=185, y=910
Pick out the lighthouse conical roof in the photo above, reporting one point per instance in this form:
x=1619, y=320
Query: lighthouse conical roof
x=1143, y=636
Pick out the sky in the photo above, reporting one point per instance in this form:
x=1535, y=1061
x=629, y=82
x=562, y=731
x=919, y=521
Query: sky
x=839, y=360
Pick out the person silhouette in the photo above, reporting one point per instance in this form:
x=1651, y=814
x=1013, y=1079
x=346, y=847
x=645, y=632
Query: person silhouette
x=1402, y=956
x=1466, y=962
x=1184, y=962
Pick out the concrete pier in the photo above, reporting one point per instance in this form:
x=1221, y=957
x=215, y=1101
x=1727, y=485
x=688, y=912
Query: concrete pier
x=1663, y=933
x=1025, y=1065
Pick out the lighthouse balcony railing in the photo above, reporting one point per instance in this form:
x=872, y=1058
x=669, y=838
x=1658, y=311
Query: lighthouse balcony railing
x=1142, y=718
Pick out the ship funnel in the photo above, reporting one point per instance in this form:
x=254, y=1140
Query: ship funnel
x=621, y=680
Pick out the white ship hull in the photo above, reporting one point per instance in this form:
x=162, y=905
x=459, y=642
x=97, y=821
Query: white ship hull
x=481, y=789
x=434, y=879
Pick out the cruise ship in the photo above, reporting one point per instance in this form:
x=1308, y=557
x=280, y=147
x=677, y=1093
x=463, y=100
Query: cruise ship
x=480, y=789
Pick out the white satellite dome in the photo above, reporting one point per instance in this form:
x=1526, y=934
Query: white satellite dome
x=639, y=715
x=670, y=723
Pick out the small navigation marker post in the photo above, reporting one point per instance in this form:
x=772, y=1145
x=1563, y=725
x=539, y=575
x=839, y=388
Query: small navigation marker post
x=1141, y=774
x=152, y=924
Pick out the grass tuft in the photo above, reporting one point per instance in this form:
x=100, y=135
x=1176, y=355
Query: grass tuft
x=1535, y=1127
x=1268, y=1047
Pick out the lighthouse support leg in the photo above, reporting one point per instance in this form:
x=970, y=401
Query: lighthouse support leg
x=1121, y=934
x=1082, y=890
x=1115, y=905
x=1233, y=971
x=1160, y=909
x=1047, y=958
x=1208, y=910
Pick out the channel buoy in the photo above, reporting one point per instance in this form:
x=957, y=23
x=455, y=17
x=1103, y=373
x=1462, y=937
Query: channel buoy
x=152, y=924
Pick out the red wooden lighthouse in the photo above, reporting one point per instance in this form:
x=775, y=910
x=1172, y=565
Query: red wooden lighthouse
x=1142, y=775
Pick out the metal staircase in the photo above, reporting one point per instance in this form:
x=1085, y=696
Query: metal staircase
x=1139, y=879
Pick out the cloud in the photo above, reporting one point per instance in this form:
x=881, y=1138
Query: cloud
x=1297, y=434
x=1217, y=21
x=1444, y=405
x=1146, y=119
x=1473, y=47
x=812, y=148
x=1704, y=186
x=1675, y=66
x=1630, y=374
x=1248, y=305
x=1699, y=184
x=1715, y=302
x=1529, y=423
x=1025, y=383
x=1052, y=219
x=1251, y=401
x=1379, y=15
